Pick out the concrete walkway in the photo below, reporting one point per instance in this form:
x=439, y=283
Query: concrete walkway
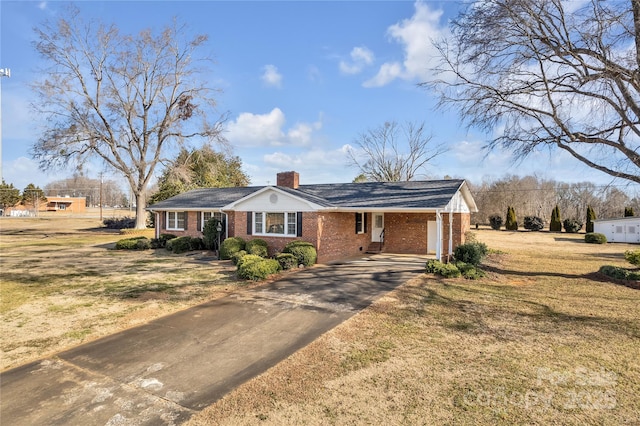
x=166, y=370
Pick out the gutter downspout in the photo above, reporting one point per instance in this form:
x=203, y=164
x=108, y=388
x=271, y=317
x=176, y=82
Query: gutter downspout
x=438, y=235
x=450, y=233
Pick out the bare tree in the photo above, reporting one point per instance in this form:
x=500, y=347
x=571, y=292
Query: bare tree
x=547, y=76
x=394, y=153
x=122, y=99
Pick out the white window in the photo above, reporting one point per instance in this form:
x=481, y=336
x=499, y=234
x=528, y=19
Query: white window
x=210, y=215
x=175, y=221
x=360, y=223
x=284, y=224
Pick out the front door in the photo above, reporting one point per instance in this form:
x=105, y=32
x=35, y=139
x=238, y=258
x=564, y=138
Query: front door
x=377, y=227
x=432, y=236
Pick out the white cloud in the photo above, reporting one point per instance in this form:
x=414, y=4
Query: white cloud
x=42, y=5
x=415, y=34
x=360, y=58
x=22, y=171
x=271, y=77
x=269, y=130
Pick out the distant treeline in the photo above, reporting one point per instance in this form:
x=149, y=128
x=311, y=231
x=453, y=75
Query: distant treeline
x=532, y=196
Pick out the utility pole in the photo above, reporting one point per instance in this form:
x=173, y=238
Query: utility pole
x=4, y=72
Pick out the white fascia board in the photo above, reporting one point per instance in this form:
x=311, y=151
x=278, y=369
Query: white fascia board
x=182, y=209
x=232, y=206
x=377, y=210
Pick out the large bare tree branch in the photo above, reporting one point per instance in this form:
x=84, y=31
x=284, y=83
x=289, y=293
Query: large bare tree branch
x=393, y=153
x=122, y=99
x=549, y=77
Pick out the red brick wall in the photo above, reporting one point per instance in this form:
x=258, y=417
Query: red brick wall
x=338, y=238
x=333, y=234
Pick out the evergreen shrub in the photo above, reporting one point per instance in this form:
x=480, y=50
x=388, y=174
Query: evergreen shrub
x=134, y=243
x=591, y=216
x=257, y=247
x=237, y=256
x=555, y=225
x=471, y=253
x=495, y=221
x=633, y=257
x=572, y=226
x=595, y=238
x=304, y=252
x=257, y=269
x=511, y=224
x=287, y=261
x=533, y=223
x=230, y=246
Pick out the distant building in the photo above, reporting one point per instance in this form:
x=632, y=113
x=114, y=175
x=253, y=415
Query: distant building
x=66, y=204
x=619, y=230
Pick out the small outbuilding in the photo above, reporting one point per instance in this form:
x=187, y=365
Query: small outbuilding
x=619, y=230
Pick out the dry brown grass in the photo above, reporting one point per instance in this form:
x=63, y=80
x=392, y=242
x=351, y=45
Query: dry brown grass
x=61, y=284
x=540, y=340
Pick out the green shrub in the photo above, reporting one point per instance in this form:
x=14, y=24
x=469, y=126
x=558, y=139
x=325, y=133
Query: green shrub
x=591, y=216
x=179, y=245
x=134, y=243
x=628, y=212
x=230, y=246
x=210, y=234
x=595, y=238
x=471, y=253
x=257, y=268
x=119, y=222
x=633, y=257
x=533, y=223
x=495, y=221
x=196, y=243
x=257, y=247
x=304, y=252
x=511, y=224
x=446, y=270
x=247, y=258
x=161, y=242
x=235, y=258
x=572, y=226
x=469, y=271
x=555, y=225
x=287, y=261
x=619, y=273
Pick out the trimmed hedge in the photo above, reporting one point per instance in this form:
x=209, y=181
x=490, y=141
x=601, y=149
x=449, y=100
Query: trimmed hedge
x=256, y=268
x=237, y=256
x=619, y=273
x=230, y=246
x=595, y=238
x=184, y=244
x=119, y=222
x=287, y=261
x=304, y=252
x=257, y=246
x=162, y=241
x=134, y=243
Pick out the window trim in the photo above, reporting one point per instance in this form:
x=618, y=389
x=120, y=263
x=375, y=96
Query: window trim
x=175, y=221
x=363, y=224
x=213, y=213
x=263, y=216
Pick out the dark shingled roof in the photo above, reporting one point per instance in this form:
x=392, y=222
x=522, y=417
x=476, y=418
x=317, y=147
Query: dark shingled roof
x=434, y=194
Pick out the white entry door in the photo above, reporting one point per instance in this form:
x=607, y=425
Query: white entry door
x=432, y=236
x=377, y=226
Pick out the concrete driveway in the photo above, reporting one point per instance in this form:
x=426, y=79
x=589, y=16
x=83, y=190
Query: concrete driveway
x=166, y=370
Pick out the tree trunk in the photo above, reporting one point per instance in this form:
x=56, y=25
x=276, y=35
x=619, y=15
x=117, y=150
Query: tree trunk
x=141, y=213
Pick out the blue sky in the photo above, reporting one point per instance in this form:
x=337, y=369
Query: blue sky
x=300, y=81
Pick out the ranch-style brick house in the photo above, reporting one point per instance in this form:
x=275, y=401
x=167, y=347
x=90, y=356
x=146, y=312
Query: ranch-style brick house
x=340, y=220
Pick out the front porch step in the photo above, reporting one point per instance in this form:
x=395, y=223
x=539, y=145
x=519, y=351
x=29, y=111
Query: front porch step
x=375, y=248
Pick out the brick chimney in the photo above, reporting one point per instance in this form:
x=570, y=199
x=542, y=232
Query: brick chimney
x=288, y=179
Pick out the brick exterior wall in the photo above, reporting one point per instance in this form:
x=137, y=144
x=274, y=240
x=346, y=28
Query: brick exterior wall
x=333, y=234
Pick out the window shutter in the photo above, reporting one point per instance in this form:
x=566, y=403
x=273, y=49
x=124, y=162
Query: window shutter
x=299, y=224
x=249, y=223
x=356, y=221
x=166, y=219
x=199, y=220
x=186, y=224
x=364, y=218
